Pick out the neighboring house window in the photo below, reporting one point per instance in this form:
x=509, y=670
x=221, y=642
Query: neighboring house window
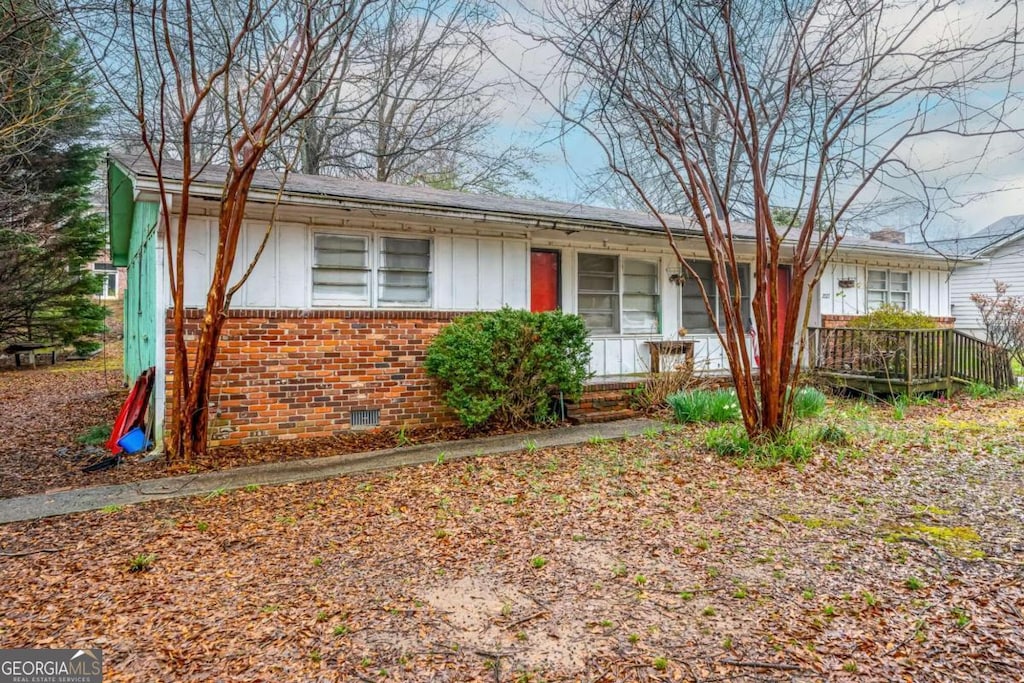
x=108, y=273
x=693, y=314
x=888, y=287
x=618, y=294
x=404, y=271
x=345, y=265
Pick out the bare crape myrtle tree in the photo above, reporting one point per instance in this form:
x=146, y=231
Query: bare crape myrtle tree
x=717, y=113
x=212, y=82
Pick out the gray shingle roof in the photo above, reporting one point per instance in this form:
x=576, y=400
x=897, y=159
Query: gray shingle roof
x=526, y=210
x=980, y=242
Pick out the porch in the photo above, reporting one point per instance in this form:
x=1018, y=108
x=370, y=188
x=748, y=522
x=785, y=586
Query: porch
x=906, y=361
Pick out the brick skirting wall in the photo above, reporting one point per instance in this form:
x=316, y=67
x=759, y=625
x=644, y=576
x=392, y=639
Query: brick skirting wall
x=831, y=322
x=286, y=374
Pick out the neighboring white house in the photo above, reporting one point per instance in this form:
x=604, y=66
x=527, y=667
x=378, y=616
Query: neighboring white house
x=343, y=249
x=978, y=260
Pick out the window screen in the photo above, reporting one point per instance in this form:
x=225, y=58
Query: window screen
x=640, y=301
x=340, y=269
x=599, y=292
x=403, y=272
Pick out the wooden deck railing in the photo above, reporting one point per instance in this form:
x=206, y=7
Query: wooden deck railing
x=908, y=360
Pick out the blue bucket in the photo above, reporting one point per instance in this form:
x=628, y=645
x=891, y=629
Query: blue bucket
x=133, y=441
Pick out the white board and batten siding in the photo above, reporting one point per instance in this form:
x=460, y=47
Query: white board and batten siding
x=480, y=274
x=469, y=273
x=929, y=288
x=1005, y=264
x=485, y=273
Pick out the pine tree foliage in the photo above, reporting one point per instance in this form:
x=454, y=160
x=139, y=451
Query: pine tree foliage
x=49, y=230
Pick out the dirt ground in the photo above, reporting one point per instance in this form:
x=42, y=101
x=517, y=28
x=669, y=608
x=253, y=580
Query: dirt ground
x=895, y=557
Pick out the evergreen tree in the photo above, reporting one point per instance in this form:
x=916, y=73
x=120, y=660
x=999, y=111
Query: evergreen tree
x=49, y=231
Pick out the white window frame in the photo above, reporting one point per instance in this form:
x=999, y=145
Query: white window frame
x=361, y=302
x=716, y=299
x=619, y=293
x=378, y=269
x=887, y=291
x=374, y=243
x=105, y=273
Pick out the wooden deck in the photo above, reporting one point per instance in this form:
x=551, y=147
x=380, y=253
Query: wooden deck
x=906, y=361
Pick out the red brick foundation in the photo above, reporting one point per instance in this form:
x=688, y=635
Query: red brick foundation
x=298, y=374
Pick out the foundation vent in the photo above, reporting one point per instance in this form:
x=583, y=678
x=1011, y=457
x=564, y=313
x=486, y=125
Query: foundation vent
x=364, y=419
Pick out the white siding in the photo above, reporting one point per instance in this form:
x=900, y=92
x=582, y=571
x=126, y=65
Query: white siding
x=929, y=290
x=836, y=300
x=260, y=290
x=481, y=272
x=1005, y=264
x=199, y=254
x=293, y=266
x=470, y=273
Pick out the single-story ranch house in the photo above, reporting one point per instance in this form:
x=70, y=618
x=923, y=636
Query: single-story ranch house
x=331, y=329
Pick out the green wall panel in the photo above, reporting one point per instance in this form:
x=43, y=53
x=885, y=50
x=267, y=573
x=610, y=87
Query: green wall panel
x=140, y=303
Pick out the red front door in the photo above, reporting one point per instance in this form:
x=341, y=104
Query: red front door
x=545, y=277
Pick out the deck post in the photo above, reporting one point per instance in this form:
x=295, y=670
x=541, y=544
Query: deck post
x=910, y=361
x=947, y=359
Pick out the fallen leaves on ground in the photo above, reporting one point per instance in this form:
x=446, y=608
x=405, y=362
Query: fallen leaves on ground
x=897, y=558
x=43, y=411
x=48, y=408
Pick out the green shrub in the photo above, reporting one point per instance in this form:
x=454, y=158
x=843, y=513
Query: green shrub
x=808, y=402
x=890, y=317
x=506, y=367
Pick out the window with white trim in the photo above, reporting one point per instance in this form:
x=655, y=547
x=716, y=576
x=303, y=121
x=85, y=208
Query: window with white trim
x=403, y=275
x=693, y=313
x=341, y=269
x=108, y=273
x=618, y=294
x=345, y=265
x=888, y=287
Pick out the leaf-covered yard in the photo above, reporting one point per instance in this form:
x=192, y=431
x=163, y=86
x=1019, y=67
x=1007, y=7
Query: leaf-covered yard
x=898, y=557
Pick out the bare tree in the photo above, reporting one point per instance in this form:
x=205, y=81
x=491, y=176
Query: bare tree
x=813, y=105
x=1002, y=314
x=236, y=68
x=417, y=104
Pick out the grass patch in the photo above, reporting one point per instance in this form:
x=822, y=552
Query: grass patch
x=808, y=402
x=980, y=390
x=141, y=563
x=702, y=405
x=96, y=435
x=814, y=522
x=957, y=540
x=732, y=441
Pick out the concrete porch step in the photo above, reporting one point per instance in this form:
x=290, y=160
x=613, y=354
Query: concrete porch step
x=591, y=417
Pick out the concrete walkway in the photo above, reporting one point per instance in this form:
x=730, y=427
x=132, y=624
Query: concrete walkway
x=81, y=500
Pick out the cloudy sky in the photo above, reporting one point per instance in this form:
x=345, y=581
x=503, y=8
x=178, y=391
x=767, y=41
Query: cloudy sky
x=981, y=180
